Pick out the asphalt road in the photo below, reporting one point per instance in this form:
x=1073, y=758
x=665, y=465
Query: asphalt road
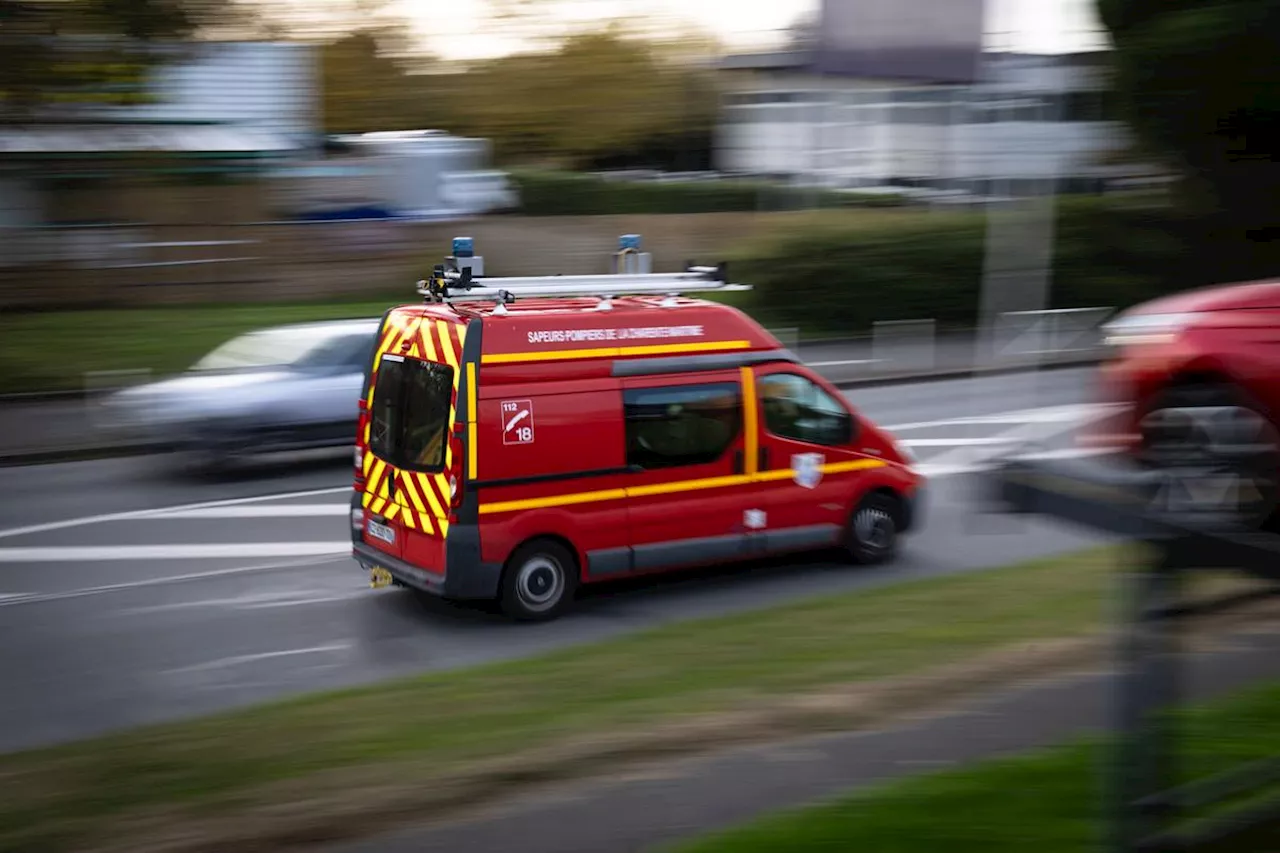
x=131, y=593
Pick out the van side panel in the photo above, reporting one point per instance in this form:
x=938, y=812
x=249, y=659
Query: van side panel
x=552, y=464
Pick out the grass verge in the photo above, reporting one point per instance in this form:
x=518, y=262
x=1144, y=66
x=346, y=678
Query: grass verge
x=163, y=340
x=360, y=760
x=1048, y=801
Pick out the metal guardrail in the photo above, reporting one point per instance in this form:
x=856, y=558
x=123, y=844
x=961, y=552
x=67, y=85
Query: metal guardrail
x=1049, y=332
x=917, y=346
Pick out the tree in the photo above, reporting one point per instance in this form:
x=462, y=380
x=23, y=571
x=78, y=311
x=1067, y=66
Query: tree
x=600, y=94
x=1199, y=84
x=60, y=52
x=364, y=88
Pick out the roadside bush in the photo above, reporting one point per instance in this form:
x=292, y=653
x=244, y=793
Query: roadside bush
x=1111, y=252
x=550, y=193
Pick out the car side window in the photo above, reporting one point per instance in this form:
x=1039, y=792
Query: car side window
x=681, y=425
x=797, y=408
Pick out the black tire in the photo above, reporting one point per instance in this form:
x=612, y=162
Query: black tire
x=871, y=536
x=1200, y=430
x=539, y=581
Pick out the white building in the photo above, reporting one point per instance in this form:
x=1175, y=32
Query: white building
x=233, y=107
x=1031, y=118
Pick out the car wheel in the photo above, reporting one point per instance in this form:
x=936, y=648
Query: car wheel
x=1218, y=454
x=872, y=536
x=539, y=581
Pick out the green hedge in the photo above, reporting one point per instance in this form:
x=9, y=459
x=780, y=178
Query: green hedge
x=549, y=193
x=1108, y=252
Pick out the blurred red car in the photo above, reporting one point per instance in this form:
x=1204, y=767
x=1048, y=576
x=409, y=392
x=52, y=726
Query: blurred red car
x=1199, y=374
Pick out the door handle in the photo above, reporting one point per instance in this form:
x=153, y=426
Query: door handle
x=737, y=462
x=764, y=459
x=391, y=485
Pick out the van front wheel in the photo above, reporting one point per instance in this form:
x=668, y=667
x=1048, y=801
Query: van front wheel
x=872, y=536
x=539, y=581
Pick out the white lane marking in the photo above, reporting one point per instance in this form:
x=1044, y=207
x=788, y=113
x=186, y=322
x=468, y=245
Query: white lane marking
x=239, y=660
x=938, y=471
x=250, y=511
x=951, y=442
x=843, y=362
x=107, y=589
x=1030, y=431
x=1047, y=414
x=251, y=602
x=226, y=551
x=150, y=513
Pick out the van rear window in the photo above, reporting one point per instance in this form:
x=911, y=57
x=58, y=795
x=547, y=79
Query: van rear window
x=410, y=418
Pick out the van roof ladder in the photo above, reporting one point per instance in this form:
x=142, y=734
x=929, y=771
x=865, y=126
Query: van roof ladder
x=461, y=279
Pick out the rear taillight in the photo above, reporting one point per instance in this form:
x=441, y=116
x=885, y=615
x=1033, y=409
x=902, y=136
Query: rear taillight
x=455, y=494
x=359, y=460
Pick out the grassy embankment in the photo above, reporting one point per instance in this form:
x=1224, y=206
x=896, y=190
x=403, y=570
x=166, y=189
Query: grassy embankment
x=1049, y=801
x=363, y=760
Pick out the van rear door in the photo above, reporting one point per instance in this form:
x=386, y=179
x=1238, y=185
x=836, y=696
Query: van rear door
x=413, y=403
x=383, y=527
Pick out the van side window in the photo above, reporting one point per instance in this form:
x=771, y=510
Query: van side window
x=681, y=425
x=796, y=408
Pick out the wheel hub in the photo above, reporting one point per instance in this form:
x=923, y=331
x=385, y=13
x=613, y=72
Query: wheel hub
x=540, y=583
x=873, y=528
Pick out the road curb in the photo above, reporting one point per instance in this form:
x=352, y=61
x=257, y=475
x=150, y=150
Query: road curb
x=84, y=453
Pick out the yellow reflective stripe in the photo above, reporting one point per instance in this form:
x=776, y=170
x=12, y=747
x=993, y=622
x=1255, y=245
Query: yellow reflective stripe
x=686, y=486
x=670, y=488
x=413, y=494
x=408, y=333
x=424, y=485
x=446, y=345
x=375, y=475
x=612, y=352
x=749, y=421
x=852, y=465
x=406, y=517
x=392, y=510
x=558, y=500
x=423, y=517
x=429, y=340
x=471, y=421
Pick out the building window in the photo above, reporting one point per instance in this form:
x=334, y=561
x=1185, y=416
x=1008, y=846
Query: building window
x=681, y=425
x=795, y=407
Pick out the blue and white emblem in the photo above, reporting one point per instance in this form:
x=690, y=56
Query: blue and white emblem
x=808, y=469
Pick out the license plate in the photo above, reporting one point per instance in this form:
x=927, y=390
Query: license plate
x=379, y=578
x=382, y=532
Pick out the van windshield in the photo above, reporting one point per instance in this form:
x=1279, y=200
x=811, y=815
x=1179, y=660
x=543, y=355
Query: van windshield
x=410, y=418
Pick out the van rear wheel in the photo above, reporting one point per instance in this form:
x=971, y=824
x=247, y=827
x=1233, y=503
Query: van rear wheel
x=539, y=581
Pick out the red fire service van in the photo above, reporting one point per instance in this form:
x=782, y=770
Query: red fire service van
x=521, y=436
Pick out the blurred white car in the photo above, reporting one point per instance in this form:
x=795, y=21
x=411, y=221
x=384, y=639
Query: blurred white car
x=284, y=388
x=468, y=193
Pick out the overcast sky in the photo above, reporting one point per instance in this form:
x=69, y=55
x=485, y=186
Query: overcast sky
x=462, y=29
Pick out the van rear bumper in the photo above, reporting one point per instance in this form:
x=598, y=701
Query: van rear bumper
x=461, y=580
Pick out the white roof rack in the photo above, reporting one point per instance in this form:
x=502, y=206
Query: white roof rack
x=456, y=280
